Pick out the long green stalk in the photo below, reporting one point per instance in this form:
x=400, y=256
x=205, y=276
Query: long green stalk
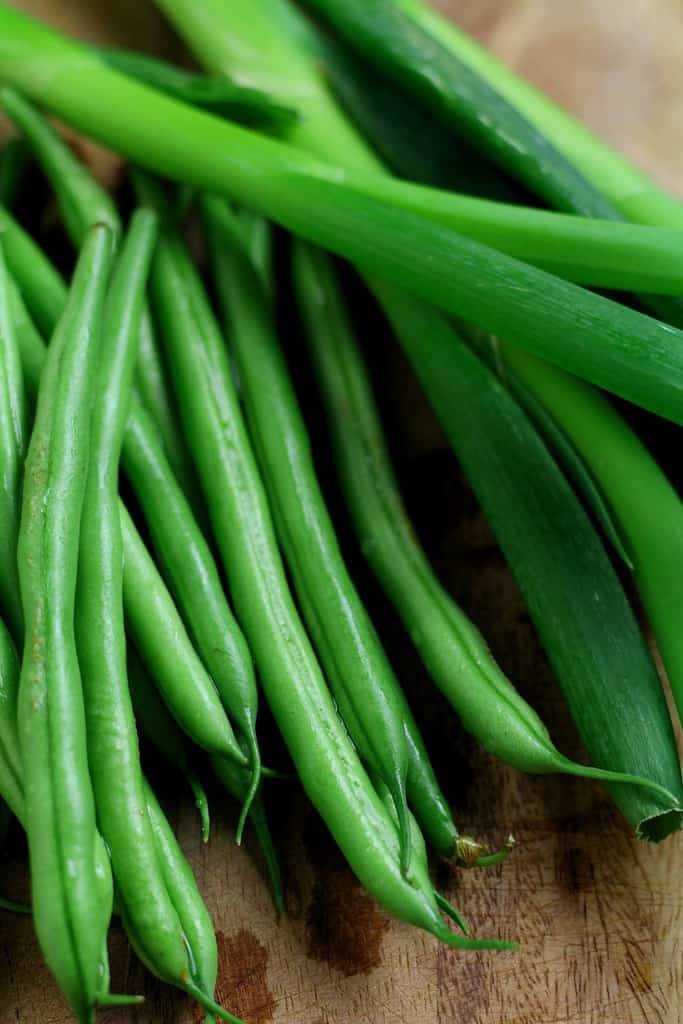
x=635, y=194
x=618, y=348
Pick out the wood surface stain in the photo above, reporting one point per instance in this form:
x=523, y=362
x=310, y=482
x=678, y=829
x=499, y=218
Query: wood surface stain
x=242, y=985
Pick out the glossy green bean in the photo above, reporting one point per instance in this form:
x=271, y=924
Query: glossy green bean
x=189, y=905
x=112, y=737
x=14, y=159
x=191, y=571
x=71, y=918
x=167, y=652
x=327, y=764
x=13, y=441
x=160, y=728
x=30, y=344
x=11, y=786
x=363, y=683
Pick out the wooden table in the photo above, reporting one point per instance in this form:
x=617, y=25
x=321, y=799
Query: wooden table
x=598, y=915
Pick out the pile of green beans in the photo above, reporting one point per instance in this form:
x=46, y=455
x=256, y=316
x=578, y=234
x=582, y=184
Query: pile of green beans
x=169, y=555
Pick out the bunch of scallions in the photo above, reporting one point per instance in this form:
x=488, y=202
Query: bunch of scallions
x=531, y=277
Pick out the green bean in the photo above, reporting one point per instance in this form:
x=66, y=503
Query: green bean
x=112, y=739
x=215, y=93
x=193, y=577
x=14, y=159
x=162, y=731
x=11, y=787
x=452, y=648
x=40, y=284
x=295, y=689
x=71, y=918
x=185, y=896
x=13, y=440
x=366, y=691
x=236, y=782
x=167, y=652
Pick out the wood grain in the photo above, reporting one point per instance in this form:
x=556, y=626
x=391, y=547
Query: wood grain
x=598, y=915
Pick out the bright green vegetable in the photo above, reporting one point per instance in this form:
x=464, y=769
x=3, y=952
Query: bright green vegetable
x=112, y=739
x=326, y=762
x=167, y=652
x=452, y=648
x=281, y=45
x=162, y=731
x=646, y=507
x=631, y=191
x=13, y=441
x=626, y=352
x=70, y=908
x=214, y=93
x=358, y=671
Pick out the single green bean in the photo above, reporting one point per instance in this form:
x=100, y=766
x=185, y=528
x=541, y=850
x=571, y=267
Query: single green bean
x=70, y=915
x=327, y=764
x=167, y=652
x=193, y=577
x=112, y=737
x=14, y=159
x=31, y=345
x=162, y=731
x=13, y=441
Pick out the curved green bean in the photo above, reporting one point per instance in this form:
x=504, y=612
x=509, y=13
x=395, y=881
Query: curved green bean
x=167, y=652
x=327, y=764
x=13, y=440
x=162, y=731
x=71, y=918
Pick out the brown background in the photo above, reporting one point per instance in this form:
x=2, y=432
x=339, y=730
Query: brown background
x=598, y=915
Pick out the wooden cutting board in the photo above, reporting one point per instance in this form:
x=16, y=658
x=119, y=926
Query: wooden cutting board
x=598, y=915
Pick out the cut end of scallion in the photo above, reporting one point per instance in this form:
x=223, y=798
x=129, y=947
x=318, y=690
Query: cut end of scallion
x=658, y=826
